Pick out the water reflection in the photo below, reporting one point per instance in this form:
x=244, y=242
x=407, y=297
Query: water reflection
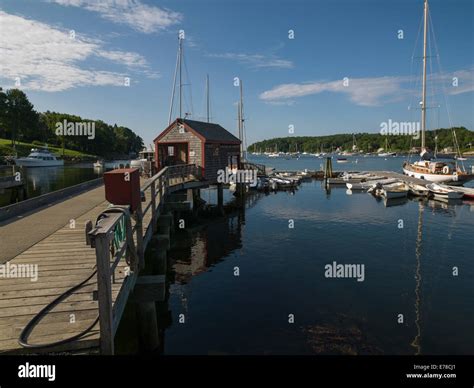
x=406, y=271
x=43, y=180
x=200, y=249
x=416, y=341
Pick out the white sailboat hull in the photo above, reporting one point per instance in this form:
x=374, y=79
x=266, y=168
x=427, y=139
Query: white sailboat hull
x=437, y=178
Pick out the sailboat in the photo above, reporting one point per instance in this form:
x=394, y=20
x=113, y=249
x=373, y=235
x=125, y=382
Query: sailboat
x=386, y=151
x=425, y=168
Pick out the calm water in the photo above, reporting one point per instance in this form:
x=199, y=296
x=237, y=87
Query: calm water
x=408, y=271
x=44, y=180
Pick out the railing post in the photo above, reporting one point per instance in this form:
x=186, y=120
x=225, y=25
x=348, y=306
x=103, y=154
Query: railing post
x=104, y=291
x=140, y=245
x=153, y=207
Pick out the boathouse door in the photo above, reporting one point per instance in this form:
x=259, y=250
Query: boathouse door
x=171, y=154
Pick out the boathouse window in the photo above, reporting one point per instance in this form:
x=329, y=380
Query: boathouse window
x=171, y=150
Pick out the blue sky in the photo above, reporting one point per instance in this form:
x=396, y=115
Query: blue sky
x=286, y=81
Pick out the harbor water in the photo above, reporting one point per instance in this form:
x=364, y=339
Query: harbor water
x=256, y=282
x=43, y=180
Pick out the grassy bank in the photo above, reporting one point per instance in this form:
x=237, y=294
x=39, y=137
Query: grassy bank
x=23, y=149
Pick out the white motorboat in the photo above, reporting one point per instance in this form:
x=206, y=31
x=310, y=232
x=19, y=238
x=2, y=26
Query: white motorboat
x=145, y=160
x=444, y=192
x=39, y=157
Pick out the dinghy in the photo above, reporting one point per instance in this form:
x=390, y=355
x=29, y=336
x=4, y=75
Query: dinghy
x=444, y=192
x=395, y=190
x=418, y=190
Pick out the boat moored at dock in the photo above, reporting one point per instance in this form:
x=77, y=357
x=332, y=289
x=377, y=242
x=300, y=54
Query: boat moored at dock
x=444, y=192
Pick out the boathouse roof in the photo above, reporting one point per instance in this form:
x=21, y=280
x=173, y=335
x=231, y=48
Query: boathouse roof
x=208, y=131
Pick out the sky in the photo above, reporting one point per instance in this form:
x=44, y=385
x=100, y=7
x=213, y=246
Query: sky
x=345, y=70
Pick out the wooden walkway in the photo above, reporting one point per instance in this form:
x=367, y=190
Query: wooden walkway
x=402, y=177
x=64, y=259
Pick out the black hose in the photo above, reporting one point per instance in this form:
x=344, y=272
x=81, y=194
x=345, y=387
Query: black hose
x=25, y=333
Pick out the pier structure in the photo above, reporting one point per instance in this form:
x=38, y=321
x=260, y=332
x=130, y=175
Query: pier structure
x=15, y=182
x=84, y=272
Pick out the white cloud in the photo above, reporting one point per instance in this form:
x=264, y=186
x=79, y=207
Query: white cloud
x=369, y=91
x=48, y=59
x=141, y=17
x=256, y=61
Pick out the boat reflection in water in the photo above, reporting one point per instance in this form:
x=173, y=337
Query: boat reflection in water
x=206, y=309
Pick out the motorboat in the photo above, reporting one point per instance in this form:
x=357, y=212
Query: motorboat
x=145, y=160
x=39, y=157
x=99, y=164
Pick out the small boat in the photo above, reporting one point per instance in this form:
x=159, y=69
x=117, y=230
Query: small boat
x=390, y=191
x=395, y=190
x=418, y=190
x=99, y=164
x=145, y=161
x=467, y=191
x=39, y=157
x=444, y=192
x=281, y=183
x=341, y=160
x=370, y=183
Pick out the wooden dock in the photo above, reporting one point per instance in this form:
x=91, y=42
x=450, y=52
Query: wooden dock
x=402, y=177
x=65, y=257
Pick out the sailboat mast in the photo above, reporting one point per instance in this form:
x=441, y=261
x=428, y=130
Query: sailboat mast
x=423, y=102
x=180, y=77
x=241, y=122
x=174, y=87
x=207, y=97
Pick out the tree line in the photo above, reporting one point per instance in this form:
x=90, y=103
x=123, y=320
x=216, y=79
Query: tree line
x=367, y=142
x=19, y=121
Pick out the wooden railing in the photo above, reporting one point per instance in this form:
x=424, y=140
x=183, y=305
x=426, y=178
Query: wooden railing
x=115, y=238
x=254, y=166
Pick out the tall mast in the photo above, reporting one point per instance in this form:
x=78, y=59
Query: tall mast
x=241, y=122
x=174, y=88
x=180, y=77
x=423, y=102
x=207, y=97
